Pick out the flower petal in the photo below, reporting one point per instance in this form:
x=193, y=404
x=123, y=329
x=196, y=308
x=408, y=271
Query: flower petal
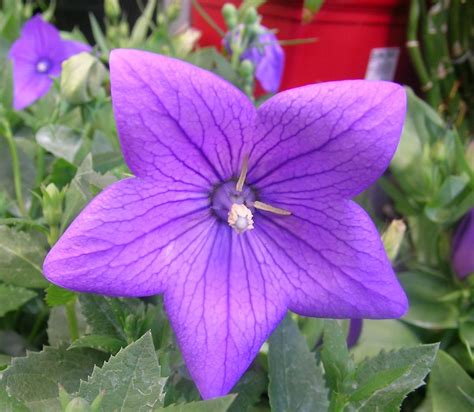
x=333, y=260
x=223, y=306
x=72, y=47
x=332, y=139
x=177, y=122
x=129, y=239
x=28, y=85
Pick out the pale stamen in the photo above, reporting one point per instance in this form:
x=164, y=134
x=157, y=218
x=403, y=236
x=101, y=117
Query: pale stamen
x=243, y=174
x=269, y=208
x=240, y=218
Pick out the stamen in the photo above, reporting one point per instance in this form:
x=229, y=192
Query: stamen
x=268, y=208
x=243, y=174
x=240, y=218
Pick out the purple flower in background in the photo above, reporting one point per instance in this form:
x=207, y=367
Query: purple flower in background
x=269, y=60
x=237, y=214
x=463, y=246
x=37, y=56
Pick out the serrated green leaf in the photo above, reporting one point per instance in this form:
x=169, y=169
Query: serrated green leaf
x=449, y=384
x=9, y=403
x=132, y=379
x=22, y=257
x=416, y=363
x=335, y=356
x=212, y=405
x=60, y=140
x=56, y=296
x=296, y=381
x=34, y=379
x=103, y=343
x=13, y=297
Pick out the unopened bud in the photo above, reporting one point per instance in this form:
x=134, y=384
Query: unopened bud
x=230, y=15
x=173, y=10
x=52, y=203
x=81, y=78
x=78, y=405
x=112, y=8
x=393, y=237
x=251, y=16
x=246, y=68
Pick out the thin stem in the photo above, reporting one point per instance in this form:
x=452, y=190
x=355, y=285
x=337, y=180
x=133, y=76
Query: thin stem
x=72, y=320
x=297, y=42
x=15, y=167
x=207, y=18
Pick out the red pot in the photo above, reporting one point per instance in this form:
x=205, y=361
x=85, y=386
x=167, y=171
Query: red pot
x=347, y=31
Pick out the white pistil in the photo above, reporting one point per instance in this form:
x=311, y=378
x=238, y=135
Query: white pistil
x=243, y=174
x=42, y=67
x=240, y=218
x=269, y=208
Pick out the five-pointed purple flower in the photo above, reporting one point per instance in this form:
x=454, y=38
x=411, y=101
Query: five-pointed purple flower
x=463, y=246
x=237, y=214
x=37, y=56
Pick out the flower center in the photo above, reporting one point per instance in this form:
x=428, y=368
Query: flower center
x=43, y=66
x=235, y=202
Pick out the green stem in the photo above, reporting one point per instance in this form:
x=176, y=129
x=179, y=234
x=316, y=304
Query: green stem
x=72, y=320
x=15, y=167
x=207, y=18
x=36, y=326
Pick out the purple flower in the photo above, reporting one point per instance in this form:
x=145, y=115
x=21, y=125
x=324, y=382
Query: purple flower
x=269, y=60
x=37, y=56
x=355, y=329
x=463, y=246
x=237, y=214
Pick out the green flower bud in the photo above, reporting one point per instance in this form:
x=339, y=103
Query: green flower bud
x=52, y=203
x=81, y=78
x=124, y=29
x=173, y=10
x=78, y=405
x=95, y=405
x=246, y=68
x=230, y=15
x=112, y=8
x=251, y=16
x=393, y=237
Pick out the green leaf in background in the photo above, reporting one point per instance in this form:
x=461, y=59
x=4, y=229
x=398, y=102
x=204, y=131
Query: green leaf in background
x=60, y=140
x=382, y=334
x=4, y=361
x=142, y=25
x=249, y=390
x=296, y=381
x=103, y=343
x=450, y=387
x=211, y=405
x=384, y=380
x=335, y=356
x=56, y=296
x=9, y=403
x=85, y=185
x=22, y=257
x=34, y=379
x=58, y=326
x=13, y=297
x=425, y=293
x=131, y=379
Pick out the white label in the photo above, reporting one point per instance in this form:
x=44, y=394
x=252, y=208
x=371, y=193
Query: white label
x=382, y=63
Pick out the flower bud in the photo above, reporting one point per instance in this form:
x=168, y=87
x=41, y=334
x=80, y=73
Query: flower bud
x=230, y=15
x=463, y=246
x=78, y=405
x=393, y=237
x=112, y=9
x=246, y=68
x=52, y=203
x=251, y=16
x=173, y=10
x=82, y=76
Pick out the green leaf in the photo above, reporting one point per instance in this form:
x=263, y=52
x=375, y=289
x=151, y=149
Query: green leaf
x=382, y=334
x=335, y=356
x=22, y=257
x=296, y=381
x=98, y=35
x=34, y=379
x=10, y=404
x=56, y=296
x=142, y=25
x=4, y=361
x=103, y=343
x=83, y=188
x=249, y=390
x=60, y=140
x=387, y=378
x=212, y=405
x=13, y=297
x=131, y=379
x=449, y=384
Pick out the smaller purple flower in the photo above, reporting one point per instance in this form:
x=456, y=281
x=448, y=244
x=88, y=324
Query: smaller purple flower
x=37, y=57
x=463, y=246
x=269, y=60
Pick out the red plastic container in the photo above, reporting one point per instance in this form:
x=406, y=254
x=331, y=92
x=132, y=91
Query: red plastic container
x=347, y=31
